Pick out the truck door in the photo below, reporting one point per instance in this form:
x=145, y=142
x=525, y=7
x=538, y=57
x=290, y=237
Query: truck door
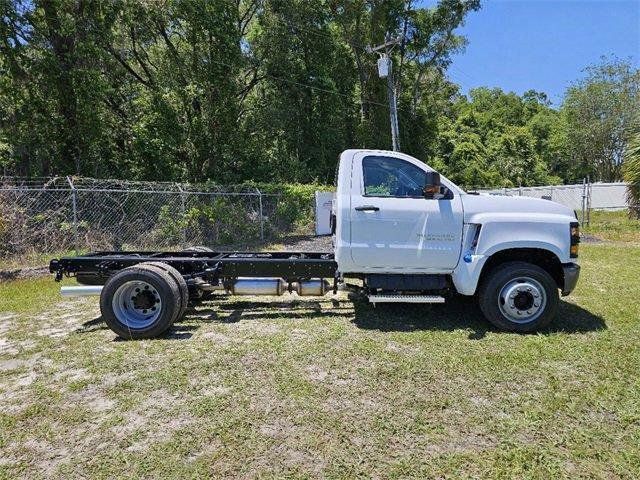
x=393, y=226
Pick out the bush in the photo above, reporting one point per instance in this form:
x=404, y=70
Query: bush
x=632, y=175
x=287, y=207
x=216, y=221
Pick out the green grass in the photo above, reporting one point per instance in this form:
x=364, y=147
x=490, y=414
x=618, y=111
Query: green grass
x=32, y=259
x=255, y=387
x=614, y=226
x=32, y=295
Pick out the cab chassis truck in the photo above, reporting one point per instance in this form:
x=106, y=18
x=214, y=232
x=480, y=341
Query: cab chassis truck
x=407, y=233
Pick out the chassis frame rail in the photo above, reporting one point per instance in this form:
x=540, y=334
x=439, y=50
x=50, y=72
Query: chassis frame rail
x=288, y=265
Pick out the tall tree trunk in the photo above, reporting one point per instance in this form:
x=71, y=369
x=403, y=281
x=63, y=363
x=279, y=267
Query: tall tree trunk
x=63, y=46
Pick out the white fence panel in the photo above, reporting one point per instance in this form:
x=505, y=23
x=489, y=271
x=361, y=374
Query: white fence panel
x=606, y=196
x=599, y=196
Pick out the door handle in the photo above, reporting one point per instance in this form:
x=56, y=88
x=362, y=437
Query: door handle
x=367, y=208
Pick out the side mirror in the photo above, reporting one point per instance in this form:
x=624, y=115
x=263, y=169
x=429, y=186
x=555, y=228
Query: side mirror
x=431, y=185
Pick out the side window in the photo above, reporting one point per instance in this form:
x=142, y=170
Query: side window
x=392, y=177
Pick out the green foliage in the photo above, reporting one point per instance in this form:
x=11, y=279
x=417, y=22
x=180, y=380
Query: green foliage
x=294, y=207
x=223, y=220
x=224, y=90
x=632, y=174
x=217, y=221
x=497, y=139
x=272, y=91
x=599, y=112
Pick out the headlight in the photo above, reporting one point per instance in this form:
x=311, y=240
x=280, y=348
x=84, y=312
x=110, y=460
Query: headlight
x=575, y=239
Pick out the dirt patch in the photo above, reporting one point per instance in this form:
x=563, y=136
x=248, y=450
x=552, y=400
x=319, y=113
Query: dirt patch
x=22, y=273
x=5, y=321
x=48, y=456
x=316, y=373
x=92, y=398
x=218, y=338
x=309, y=243
x=586, y=238
x=163, y=432
x=17, y=363
x=70, y=316
x=71, y=375
x=155, y=420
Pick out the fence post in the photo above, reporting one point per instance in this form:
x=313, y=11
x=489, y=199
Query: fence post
x=584, y=199
x=182, y=215
x=588, y=200
x=74, y=203
x=261, y=215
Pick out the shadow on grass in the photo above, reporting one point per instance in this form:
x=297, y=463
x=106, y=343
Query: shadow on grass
x=234, y=311
x=176, y=332
x=460, y=312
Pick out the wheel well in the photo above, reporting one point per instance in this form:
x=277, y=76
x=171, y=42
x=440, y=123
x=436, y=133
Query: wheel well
x=544, y=259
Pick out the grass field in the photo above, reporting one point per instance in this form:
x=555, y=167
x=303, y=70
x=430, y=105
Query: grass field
x=271, y=388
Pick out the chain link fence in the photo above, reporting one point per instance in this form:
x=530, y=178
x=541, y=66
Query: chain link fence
x=65, y=213
x=46, y=215
x=582, y=197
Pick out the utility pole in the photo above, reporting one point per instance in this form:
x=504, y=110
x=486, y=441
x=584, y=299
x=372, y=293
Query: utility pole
x=385, y=70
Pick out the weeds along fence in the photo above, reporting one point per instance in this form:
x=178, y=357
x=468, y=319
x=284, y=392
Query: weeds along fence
x=65, y=213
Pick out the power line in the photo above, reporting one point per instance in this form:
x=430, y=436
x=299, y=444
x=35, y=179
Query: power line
x=312, y=87
x=457, y=71
x=297, y=26
x=320, y=34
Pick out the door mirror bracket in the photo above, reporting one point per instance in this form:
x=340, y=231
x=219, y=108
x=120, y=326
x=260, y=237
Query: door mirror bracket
x=431, y=185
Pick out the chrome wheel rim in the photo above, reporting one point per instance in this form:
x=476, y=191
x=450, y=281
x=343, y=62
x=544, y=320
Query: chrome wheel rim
x=522, y=300
x=136, y=304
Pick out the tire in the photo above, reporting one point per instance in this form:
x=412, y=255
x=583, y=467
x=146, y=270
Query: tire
x=519, y=297
x=178, y=278
x=140, y=302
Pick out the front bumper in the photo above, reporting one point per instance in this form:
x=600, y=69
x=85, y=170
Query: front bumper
x=571, y=274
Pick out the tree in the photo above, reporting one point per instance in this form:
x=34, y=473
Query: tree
x=599, y=111
x=632, y=173
x=226, y=90
x=495, y=138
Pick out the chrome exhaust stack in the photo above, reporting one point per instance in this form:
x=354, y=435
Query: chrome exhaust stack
x=81, y=291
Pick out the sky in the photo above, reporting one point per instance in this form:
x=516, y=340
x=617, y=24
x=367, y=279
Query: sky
x=543, y=44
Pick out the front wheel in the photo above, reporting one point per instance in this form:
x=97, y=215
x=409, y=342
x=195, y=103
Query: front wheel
x=519, y=297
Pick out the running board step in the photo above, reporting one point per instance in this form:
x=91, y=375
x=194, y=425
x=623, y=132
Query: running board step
x=405, y=299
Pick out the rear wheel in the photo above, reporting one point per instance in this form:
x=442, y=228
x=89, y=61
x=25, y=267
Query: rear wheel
x=140, y=302
x=519, y=297
x=178, y=278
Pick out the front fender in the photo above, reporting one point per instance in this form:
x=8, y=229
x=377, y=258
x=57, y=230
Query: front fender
x=506, y=232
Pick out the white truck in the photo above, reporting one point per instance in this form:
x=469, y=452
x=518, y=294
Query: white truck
x=407, y=233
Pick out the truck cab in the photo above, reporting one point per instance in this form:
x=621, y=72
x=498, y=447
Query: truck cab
x=406, y=230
